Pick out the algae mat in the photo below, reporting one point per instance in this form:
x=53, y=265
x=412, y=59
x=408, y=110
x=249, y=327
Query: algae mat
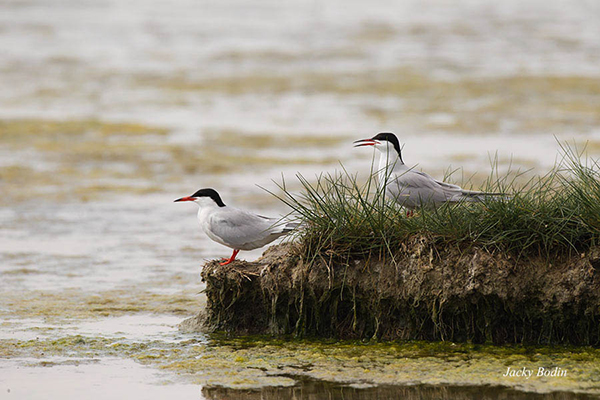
x=257, y=363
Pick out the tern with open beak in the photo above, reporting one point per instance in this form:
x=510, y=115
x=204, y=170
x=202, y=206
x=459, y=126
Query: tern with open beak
x=410, y=188
x=234, y=228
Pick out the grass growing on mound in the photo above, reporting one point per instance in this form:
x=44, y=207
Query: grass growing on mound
x=551, y=215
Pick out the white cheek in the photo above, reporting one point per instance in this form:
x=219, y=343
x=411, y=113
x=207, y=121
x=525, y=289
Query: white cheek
x=204, y=201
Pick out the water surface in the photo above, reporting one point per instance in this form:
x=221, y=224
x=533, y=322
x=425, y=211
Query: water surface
x=111, y=109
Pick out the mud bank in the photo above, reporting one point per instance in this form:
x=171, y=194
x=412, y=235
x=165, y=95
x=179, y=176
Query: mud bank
x=428, y=292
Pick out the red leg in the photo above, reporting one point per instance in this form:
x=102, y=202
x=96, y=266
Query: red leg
x=231, y=259
x=410, y=213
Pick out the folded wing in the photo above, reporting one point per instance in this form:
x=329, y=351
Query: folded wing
x=243, y=230
x=414, y=189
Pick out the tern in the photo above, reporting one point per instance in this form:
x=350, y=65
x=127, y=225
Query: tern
x=411, y=188
x=235, y=228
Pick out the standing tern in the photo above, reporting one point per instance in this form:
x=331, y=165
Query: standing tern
x=411, y=188
x=234, y=228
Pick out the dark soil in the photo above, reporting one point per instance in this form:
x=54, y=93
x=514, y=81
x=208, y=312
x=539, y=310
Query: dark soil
x=428, y=293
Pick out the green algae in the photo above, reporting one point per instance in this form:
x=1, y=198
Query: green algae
x=394, y=363
x=230, y=137
x=84, y=159
x=191, y=161
x=533, y=104
x=13, y=131
x=77, y=159
x=72, y=304
x=255, y=362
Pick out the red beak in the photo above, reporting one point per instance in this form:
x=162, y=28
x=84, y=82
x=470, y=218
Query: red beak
x=188, y=198
x=365, y=142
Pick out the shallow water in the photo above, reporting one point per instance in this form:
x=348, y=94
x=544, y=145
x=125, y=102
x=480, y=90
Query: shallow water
x=112, y=109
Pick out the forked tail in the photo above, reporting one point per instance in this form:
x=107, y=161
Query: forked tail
x=289, y=226
x=473, y=195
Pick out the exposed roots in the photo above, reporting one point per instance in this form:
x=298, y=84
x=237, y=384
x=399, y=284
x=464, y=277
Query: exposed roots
x=429, y=293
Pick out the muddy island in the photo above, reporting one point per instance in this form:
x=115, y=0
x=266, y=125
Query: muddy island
x=428, y=292
x=522, y=268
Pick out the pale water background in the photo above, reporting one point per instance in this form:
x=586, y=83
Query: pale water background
x=110, y=110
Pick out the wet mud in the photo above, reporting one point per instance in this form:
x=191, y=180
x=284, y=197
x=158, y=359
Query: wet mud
x=427, y=293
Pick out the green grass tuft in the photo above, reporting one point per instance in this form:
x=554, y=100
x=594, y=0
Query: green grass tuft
x=552, y=215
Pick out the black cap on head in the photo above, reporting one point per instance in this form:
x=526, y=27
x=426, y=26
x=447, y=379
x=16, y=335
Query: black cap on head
x=207, y=192
x=390, y=137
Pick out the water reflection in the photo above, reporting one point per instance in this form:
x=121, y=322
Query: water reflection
x=317, y=390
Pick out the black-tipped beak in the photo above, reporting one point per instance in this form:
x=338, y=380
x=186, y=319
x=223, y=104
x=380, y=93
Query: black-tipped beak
x=365, y=142
x=188, y=198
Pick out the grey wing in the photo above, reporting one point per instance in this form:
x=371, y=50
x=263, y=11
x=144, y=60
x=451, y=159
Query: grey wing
x=418, y=188
x=432, y=190
x=241, y=229
x=456, y=193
